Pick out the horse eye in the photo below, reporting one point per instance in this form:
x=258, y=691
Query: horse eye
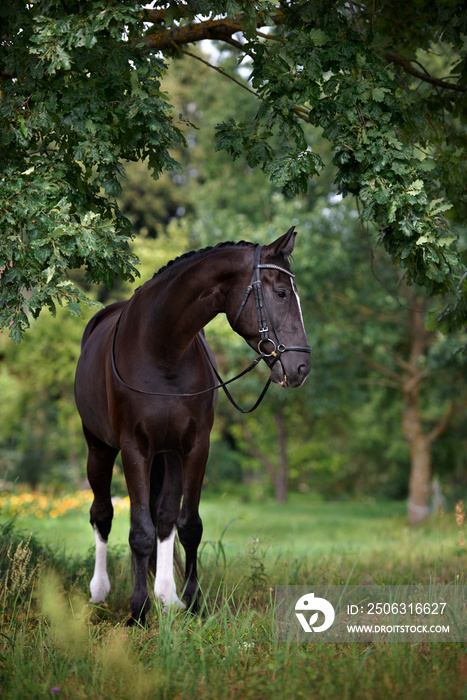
x=281, y=293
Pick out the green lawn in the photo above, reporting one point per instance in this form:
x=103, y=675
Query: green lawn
x=303, y=528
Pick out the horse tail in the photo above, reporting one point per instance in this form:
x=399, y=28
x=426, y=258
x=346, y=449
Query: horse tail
x=156, y=485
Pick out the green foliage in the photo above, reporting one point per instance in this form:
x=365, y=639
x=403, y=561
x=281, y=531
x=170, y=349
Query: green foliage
x=391, y=143
x=81, y=96
x=78, y=98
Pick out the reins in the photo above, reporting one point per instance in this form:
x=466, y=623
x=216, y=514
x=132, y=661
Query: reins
x=221, y=385
x=262, y=311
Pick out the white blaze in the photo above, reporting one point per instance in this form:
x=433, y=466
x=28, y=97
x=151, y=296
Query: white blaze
x=295, y=291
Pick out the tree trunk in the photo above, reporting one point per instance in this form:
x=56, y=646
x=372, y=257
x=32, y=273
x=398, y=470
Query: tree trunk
x=420, y=457
x=419, y=442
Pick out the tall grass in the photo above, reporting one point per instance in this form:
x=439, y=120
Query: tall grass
x=53, y=642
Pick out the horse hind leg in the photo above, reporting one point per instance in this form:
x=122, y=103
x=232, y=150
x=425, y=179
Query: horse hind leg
x=101, y=459
x=167, y=512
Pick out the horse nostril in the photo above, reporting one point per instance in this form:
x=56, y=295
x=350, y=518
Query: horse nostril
x=302, y=371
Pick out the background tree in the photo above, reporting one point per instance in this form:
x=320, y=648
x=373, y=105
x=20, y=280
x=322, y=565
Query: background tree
x=380, y=325
x=39, y=428
x=81, y=95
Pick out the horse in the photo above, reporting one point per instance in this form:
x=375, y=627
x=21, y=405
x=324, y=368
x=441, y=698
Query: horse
x=146, y=386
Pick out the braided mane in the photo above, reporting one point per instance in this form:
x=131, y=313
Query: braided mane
x=195, y=254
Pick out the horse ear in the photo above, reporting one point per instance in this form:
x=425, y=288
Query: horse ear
x=284, y=245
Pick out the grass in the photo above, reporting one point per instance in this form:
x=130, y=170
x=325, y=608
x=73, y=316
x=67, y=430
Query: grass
x=52, y=642
x=302, y=527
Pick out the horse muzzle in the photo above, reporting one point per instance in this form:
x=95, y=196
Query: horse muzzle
x=290, y=370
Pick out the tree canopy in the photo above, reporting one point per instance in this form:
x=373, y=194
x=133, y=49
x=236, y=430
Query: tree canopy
x=81, y=95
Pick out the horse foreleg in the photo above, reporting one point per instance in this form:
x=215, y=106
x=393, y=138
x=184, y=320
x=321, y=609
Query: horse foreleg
x=165, y=589
x=101, y=458
x=168, y=509
x=190, y=531
x=142, y=531
x=190, y=525
x=142, y=540
x=100, y=582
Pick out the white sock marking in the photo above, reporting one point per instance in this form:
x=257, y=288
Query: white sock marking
x=100, y=584
x=164, y=585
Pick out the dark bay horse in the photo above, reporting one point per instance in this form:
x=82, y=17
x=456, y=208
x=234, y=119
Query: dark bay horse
x=144, y=386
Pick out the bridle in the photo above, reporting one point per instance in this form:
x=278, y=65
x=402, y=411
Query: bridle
x=262, y=310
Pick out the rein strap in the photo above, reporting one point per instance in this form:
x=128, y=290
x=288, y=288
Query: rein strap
x=221, y=385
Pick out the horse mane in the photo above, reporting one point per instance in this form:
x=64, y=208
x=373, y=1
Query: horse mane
x=195, y=254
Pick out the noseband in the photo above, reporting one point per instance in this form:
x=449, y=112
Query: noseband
x=262, y=311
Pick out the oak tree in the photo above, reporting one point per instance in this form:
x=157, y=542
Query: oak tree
x=80, y=95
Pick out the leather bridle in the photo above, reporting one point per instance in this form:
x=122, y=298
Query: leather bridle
x=262, y=310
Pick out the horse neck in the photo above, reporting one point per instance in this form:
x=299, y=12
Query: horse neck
x=177, y=306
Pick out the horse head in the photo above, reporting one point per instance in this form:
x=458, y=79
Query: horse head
x=269, y=317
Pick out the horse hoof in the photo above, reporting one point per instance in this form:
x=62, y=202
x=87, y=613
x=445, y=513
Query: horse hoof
x=192, y=605
x=137, y=622
x=100, y=588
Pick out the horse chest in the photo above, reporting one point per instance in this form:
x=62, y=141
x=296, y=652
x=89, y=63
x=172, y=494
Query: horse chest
x=172, y=425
